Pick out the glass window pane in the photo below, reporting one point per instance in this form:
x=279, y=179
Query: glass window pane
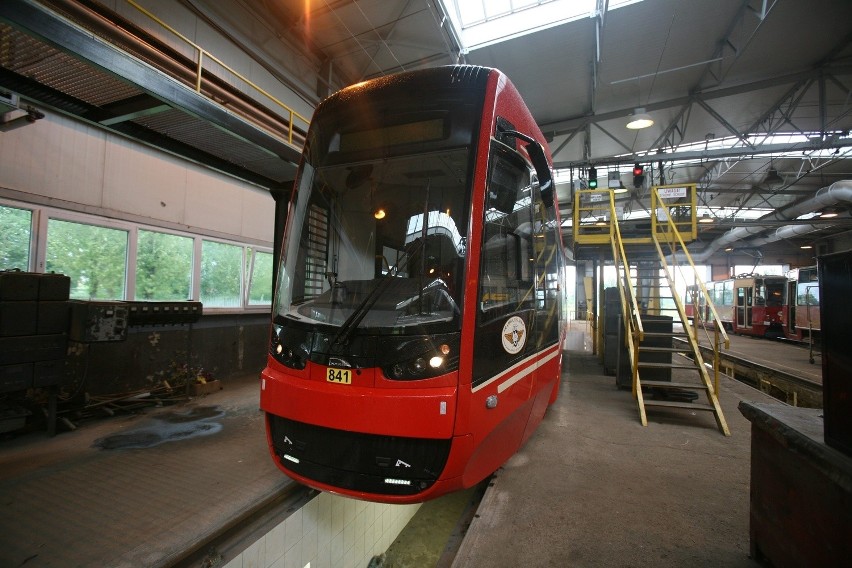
x=221, y=273
x=95, y=258
x=163, y=267
x=15, y=238
x=260, y=293
x=507, y=280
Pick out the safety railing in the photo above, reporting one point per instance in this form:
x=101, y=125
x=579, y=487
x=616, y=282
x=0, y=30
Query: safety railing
x=290, y=117
x=631, y=317
x=678, y=201
x=593, y=213
x=675, y=247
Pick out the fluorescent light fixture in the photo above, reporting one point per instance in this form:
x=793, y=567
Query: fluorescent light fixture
x=806, y=247
x=640, y=119
x=706, y=218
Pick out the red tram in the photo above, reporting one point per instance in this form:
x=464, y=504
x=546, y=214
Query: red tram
x=764, y=306
x=419, y=312
x=747, y=305
x=801, y=308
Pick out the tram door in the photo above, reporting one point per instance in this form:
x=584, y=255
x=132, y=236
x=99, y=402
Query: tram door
x=790, y=301
x=745, y=301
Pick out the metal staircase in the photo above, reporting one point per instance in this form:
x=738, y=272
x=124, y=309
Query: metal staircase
x=667, y=367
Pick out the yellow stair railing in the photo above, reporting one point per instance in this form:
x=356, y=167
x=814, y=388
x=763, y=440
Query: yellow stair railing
x=630, y=314
x=667, y=234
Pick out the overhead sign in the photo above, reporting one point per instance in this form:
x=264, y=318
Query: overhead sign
x=671, y=192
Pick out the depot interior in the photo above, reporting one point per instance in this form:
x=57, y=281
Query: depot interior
x=157, y=140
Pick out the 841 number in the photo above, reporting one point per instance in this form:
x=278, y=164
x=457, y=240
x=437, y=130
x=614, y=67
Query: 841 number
x=341, y=376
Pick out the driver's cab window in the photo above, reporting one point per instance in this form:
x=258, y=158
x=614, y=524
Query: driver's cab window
x=507, y=278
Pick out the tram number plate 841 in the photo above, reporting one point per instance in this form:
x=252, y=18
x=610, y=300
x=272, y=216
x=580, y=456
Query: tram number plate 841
x=341, y=376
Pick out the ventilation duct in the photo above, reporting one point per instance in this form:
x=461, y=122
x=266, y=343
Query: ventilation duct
x=838, y=192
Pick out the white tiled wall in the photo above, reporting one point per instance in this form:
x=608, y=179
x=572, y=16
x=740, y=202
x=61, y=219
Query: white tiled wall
x=328, y=532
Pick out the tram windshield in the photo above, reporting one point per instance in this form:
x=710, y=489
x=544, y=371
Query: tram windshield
x=378, y=244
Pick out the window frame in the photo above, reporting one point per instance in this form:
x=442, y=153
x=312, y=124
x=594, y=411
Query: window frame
x=41, y=214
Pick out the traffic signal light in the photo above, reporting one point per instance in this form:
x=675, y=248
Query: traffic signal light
x=593, y=178
x=638, y=175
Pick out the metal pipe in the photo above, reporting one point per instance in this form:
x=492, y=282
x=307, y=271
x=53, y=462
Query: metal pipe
x=840, y=191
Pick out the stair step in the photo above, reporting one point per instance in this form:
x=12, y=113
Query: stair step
x=666, y=334
x=643, y=365
x=671, y=385
x=684, y=349
x=675, y=404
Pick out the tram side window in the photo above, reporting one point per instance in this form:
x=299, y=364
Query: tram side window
x=728, y=293
x=717, y=294
x=807, y=293
x=547, y=261
x=506, y=281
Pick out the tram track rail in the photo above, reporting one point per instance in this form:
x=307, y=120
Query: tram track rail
x=783, y=385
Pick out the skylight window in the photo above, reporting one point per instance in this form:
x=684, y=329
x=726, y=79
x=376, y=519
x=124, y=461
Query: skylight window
x=480, y=23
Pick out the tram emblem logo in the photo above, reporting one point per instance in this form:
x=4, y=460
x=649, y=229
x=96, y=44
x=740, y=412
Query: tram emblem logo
x=514, y=335
x=402, y=463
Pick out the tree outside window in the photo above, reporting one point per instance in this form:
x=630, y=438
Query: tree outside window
x=15, y=238
x=95, y=258
x=163, y=266
x=260, y=291
x=221, y=274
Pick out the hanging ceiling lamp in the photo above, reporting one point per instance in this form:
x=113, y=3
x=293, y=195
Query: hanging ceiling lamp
x=640, y=119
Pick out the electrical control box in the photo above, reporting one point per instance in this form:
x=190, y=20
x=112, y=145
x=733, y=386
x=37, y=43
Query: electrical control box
x=93, y=322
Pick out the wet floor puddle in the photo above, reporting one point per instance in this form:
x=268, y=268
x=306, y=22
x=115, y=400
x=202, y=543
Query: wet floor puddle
x=166, y=427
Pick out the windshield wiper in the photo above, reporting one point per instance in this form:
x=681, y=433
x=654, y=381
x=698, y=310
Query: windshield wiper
x=362, y=309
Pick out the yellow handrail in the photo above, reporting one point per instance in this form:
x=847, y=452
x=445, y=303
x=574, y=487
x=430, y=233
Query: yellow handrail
x=717, y=322
x=202, y=53
x=634, y=306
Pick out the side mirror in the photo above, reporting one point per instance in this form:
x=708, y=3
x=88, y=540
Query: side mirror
x=539, y=162
x=542, y=170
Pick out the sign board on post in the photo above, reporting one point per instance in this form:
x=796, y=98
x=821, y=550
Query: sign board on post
x=671, y=192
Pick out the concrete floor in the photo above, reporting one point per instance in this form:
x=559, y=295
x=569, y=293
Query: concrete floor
x=593, y=487
x=118, y=493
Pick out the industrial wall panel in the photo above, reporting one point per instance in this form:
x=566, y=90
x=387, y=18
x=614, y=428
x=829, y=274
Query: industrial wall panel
x=16, y=377
x=16, y=285
x=29, y=348
x=18, y=318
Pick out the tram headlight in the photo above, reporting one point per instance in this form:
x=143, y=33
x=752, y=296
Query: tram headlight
x=288, y=347
x=422, y=359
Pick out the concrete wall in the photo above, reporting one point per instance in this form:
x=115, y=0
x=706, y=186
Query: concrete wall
x=67, y=164
x=329, y=531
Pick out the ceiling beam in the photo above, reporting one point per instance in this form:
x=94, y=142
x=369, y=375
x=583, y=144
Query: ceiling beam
x=563, y=127
x=54, y=30
x=716, y=154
